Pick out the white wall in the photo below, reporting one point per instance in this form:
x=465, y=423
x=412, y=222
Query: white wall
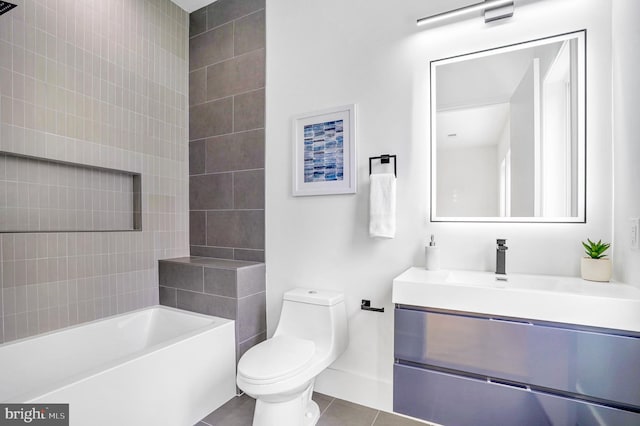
x=330, y=52
x=626, y=104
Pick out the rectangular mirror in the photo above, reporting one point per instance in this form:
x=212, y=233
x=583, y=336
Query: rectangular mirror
x=508, y=133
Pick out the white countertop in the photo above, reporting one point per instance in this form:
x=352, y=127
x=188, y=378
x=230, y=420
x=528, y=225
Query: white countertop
x=537, y=297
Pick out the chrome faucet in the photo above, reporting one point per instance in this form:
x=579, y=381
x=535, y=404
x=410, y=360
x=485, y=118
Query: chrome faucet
x=501, y=258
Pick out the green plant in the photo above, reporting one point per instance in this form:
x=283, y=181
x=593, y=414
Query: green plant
x=595, y=250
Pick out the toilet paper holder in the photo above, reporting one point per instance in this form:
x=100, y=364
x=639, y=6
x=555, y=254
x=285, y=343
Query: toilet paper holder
x=366, y=306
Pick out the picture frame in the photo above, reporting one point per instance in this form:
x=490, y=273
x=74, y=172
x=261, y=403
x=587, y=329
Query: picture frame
x=324, y=152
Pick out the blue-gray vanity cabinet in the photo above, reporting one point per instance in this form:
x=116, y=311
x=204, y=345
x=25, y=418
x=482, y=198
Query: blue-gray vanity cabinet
x=581, y=373
x=453, y=400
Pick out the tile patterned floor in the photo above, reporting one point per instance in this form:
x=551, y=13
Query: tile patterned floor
x=333, y=412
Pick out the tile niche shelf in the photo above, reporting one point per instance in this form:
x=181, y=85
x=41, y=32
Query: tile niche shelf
x=41, y=195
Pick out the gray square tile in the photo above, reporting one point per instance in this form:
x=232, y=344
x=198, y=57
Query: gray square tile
x=221, y=282
x=168, y=296
x=322, y=400
x=221, y=263
x=197, y=228
x=196, y=157
x=211, y=47
x=198, y=86
x=180, y=275
x=219, y=252
x=240, y=151
x=251, y=255
x=250, y=280
x=197, y=22
x=211, y=192
x=248, y=189
x=211, y=119
x=208, y=304
x=343, y=413
x=239, y=228
x=248, y=111
x=236, y=75
x=249, y=33
x=224, y=11
x=237, y=412
x=252, y=316
x=249, y=343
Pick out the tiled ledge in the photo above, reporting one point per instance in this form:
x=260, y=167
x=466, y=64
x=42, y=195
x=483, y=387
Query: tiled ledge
x=210, y=262
x=232, y=289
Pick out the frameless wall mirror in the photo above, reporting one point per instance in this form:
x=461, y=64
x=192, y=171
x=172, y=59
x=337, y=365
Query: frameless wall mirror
x=508, y=133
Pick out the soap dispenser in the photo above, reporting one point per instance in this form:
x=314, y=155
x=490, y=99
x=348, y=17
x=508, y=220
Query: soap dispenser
x=432, y=255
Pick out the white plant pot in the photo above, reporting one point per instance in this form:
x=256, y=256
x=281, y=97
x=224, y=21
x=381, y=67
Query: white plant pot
x=595, y=269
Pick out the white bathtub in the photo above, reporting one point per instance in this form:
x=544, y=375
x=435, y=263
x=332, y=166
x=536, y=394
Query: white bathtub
x=154, y=366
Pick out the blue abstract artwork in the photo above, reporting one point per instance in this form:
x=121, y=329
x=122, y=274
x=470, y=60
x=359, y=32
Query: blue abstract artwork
x=324, y=151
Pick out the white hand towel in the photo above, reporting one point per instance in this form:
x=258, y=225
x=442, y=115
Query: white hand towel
x=382, y=205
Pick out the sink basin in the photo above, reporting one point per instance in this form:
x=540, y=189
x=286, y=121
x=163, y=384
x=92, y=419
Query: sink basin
x=567, y=300
x=507, y=281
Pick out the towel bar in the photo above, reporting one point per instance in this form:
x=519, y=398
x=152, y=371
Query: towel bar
x=385, y=159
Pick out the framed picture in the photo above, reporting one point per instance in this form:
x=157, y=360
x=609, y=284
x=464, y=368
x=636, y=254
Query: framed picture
x=324, y=152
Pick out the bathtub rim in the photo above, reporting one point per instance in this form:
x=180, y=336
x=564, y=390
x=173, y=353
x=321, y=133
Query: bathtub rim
x=84, y=375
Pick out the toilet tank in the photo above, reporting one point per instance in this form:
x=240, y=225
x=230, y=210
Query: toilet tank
x=317, y=315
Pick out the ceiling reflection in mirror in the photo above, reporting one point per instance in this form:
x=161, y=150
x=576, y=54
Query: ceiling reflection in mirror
x=508, y=133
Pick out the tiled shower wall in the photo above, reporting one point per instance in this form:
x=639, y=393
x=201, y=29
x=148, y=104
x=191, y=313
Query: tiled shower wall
x=100, y=83
x=226, y=130
x=37, y=195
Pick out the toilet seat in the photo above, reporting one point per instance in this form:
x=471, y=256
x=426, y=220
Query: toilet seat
x=276, y=359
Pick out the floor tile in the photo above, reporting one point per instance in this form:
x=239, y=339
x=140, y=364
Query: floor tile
x=343, y=413
x=333, y=412
x=237, y=412
x=322, y=400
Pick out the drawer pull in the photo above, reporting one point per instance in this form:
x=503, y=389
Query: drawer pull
x=513, y=321
x=509, y=384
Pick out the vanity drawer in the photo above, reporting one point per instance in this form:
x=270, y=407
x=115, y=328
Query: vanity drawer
x=598, y=365
x=461, y=401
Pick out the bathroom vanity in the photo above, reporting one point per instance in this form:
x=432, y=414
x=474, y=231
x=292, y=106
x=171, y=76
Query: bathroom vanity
x=534, y=350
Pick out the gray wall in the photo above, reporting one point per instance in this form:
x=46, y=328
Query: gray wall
x=103, y=84
x=232, y=289
x=226, y=130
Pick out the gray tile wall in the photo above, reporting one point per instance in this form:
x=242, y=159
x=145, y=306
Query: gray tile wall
x=104, y=84
x=226, y=130
x=230, y=289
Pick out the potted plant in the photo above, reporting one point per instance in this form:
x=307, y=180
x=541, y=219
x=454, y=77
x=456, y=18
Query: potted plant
x=594, y=267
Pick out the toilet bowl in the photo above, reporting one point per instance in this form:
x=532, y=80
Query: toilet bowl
x=280, y=372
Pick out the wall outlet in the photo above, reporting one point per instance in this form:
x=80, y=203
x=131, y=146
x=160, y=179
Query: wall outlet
x=635, y=233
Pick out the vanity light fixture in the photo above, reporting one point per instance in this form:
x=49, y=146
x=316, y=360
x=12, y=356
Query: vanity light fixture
x=492, y=10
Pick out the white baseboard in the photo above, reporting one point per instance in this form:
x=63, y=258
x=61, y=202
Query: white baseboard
x=355, y=388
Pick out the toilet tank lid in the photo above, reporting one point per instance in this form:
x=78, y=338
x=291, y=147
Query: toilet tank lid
x=314, y=297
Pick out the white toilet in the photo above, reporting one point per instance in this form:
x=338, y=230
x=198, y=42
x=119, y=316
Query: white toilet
x=280, y=372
